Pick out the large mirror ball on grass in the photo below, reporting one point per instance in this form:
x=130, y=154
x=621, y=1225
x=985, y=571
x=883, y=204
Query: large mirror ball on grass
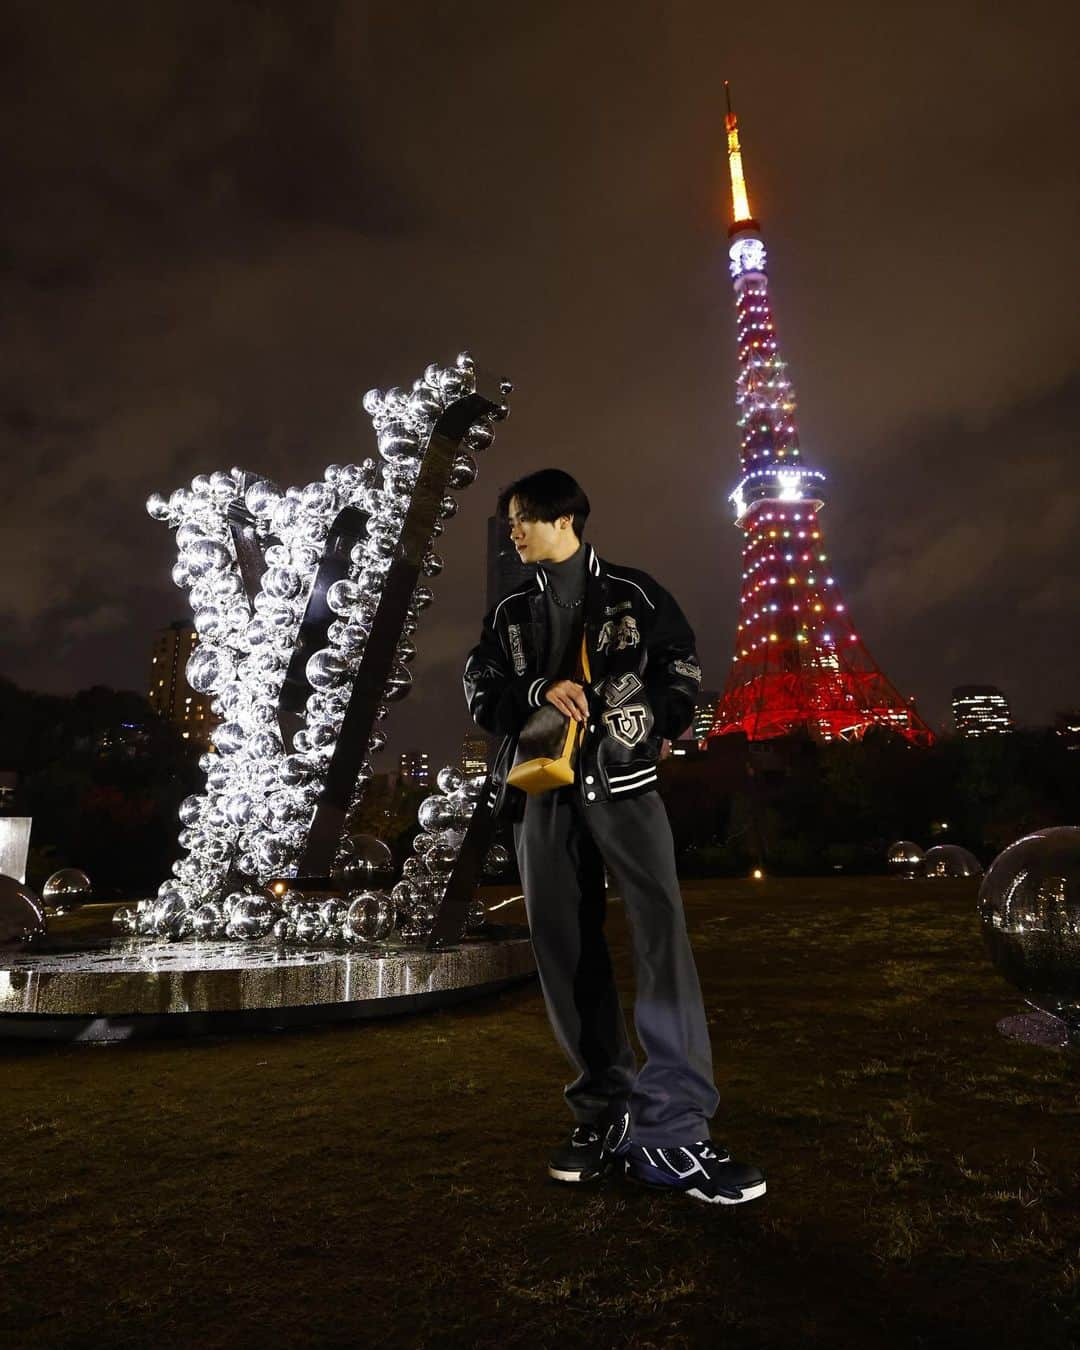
x=250, y=555
x=949, y=860
x=903, y=858
x=1029, y=903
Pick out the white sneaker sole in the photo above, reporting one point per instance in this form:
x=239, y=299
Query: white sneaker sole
x=750, y=1193
x=557, y=1175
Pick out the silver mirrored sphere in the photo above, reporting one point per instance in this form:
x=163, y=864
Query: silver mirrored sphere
x=479, y=436
x=497, y=860
x=367, y=862
x=208, y=921
x=124, y=920
x=310, y=925
x=67, y=889
x=436, y=813
x=450, y=779
x=1029, y=905
x=326, y=669
x=253, y=916
x=949, y=860
x=370, y=917
x=904, y=857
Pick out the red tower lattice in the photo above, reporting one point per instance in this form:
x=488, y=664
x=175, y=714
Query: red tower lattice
x=798, y=661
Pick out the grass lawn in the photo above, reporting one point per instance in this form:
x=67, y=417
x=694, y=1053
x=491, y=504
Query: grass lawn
x=383, y=1184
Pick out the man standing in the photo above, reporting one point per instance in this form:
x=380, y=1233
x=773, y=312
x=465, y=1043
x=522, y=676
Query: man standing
x=644, y=678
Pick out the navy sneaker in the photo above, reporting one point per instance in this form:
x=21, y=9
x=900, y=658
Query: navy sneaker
x=592, y=1151
x=703, y=1170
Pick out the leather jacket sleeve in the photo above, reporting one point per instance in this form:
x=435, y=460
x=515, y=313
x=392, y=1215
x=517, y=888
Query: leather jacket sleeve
x=672, y=676
x=499, y=700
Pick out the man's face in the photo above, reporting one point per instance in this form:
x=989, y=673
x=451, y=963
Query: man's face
x=538, y=540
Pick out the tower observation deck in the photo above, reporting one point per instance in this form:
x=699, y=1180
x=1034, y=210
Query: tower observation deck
x=798, y=663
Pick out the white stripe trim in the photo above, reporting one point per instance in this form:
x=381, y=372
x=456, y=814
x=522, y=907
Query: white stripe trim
x=594, y=561
x=629, y=787
x=625, y=777
x=503, y=601
x=541, y=579
x=636, y=587
x=534, y=688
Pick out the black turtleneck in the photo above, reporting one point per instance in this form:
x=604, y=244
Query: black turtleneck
x=566, y=619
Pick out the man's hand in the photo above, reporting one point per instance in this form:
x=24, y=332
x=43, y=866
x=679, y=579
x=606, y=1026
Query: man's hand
x=569, y=698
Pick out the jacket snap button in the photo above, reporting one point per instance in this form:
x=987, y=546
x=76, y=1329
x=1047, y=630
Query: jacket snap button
x=589, y=778
x=591, y=727
x=591, y=796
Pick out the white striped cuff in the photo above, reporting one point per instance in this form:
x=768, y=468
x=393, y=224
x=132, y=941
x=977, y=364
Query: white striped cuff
x=533, y=698
x=631, y=782
x=628, y=777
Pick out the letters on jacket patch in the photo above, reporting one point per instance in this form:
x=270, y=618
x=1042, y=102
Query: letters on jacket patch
x=517, y=648
x=618, y=688
x=628, y=723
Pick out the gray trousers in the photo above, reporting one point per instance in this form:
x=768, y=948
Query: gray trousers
x=561, y=848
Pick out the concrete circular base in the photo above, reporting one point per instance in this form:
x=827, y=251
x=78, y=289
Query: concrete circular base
x=140, y=987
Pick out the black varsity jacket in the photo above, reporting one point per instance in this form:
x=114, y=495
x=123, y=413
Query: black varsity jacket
x=645, y=679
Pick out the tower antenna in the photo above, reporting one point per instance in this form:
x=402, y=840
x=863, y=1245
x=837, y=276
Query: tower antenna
x=740, y=204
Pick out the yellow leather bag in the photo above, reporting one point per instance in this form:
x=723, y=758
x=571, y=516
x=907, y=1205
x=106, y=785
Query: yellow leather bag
x=545, y=730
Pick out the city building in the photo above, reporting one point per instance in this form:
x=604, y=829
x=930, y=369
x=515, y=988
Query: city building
x=474, y=754
x=704, y=713
x=980, y=710
x=170, y=694
x=413, y=767
x=1067, y=725
x=799, y=663
x=128, y=740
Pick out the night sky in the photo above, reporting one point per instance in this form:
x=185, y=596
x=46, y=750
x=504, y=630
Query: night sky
x=223, y=222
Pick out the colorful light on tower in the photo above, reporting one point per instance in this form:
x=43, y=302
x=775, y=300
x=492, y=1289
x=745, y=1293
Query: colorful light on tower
x=798, y=661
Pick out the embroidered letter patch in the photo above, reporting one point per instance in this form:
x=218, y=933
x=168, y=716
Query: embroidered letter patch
x=517, y=648
x=619, y=688
x=685, y=668
x=627, y=724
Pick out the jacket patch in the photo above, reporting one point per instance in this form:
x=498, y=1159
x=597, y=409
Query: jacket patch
x=618, y=688
x=628, y=724
x=620, y=608
x=618, y=636
x=517, y=648
x=685, y=668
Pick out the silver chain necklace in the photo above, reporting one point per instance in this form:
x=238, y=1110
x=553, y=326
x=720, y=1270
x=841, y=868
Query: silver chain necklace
x=562, y=603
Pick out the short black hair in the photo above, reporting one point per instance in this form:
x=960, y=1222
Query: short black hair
x=547, y=495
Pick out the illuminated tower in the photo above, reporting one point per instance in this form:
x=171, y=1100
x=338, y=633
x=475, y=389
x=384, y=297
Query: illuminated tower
x=798, y=661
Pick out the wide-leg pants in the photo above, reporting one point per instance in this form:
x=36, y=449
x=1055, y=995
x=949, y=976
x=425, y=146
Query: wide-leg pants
x=562, y=846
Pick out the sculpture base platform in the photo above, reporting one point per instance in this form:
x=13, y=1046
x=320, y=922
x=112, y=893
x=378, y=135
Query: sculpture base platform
x=145, y=987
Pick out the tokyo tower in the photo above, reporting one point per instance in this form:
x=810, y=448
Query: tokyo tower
x=799, y=663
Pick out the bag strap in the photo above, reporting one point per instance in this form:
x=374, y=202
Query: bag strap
x=585, y=661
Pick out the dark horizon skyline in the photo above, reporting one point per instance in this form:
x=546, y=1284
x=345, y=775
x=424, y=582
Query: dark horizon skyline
x=224, y=224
